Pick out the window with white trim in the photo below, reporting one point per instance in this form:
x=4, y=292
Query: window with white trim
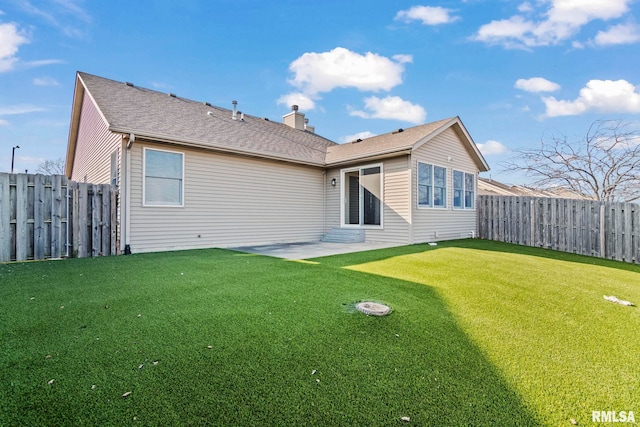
x=432, y=186
x=469, y=191
x=163, y=178
x=463, y=190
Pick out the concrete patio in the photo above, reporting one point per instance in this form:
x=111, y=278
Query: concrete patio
x=306, y=250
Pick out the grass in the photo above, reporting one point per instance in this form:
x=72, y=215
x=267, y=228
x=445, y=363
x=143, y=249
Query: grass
x=481, y=333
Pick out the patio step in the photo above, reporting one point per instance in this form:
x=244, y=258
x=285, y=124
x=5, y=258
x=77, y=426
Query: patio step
x=344, y=235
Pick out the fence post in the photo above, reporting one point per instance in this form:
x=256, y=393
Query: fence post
x=602, y=223
x=95, y=220
x=636, y=233
x=38, y=217
x=80, y=220
x=115, y=245
x=5, y=218
x=105, y=232
x=21, y=217
x=56, y=216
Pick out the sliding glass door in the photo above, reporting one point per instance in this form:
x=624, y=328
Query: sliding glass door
x=362, y=196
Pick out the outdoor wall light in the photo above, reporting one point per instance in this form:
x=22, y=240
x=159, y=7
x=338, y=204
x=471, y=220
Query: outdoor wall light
x=333, y=182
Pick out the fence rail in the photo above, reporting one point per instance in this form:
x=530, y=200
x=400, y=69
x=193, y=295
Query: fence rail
x=48, y=216
x=600, y=229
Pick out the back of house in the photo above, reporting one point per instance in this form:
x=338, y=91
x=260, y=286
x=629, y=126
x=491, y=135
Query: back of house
x=193, y=175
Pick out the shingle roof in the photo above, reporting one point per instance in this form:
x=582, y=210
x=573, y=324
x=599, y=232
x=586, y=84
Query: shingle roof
x=402, y=140
x=152, y=114
x=489, y=187
x=382, y=144
x=160, y=116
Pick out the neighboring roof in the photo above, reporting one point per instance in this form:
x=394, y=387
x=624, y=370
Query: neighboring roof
x=160, y=116
x=403, y=140
x=153, y=115
x=489, y=187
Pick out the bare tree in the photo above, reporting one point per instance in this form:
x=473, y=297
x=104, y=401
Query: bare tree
x=605, y=165
x=51, y=167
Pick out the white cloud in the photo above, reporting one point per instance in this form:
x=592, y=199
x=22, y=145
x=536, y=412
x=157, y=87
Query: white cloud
x=299, y=99
x=618, y=34
x=525, y=7
x=40, y=63
x=429, y=15
x=19, y=109
x=316, y=73
x=492, y=147
x=45, y=81
x=577, y=45
x=509, y=32
x=580, y=12
x=606, y=96
x=391, y=107
x=10, y=110
x=536, y=84
x=58, y=15
x=561, y=21
x=10, y=40
x=322, y=72
x=356, y=136
x=72, y=7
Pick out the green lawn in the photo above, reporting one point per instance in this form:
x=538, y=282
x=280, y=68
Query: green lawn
x=481, y=333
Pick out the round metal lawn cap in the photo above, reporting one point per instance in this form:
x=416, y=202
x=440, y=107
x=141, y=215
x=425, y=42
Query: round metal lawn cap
x=373, y=308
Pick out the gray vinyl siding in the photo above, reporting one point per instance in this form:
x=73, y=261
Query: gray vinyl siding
x=433, y=224
x=333, y=200
x=396, y=216
x=95, y=144
x=229, y=201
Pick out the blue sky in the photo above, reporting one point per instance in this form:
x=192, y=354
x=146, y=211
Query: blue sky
x=514, y=71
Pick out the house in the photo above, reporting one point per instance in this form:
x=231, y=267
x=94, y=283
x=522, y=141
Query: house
x=193, y=175
x=490, y=187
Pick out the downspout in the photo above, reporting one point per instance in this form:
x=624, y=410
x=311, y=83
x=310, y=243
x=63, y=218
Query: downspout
x=126, y=241
x=412, y=198
x=68, y=242
x=324, y=202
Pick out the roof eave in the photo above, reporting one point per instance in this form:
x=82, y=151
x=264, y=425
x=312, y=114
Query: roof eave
x=207, y=146
x=76, y=108
x=482, y=164
x=370, y=156
x=485, y=166
x=79, y=93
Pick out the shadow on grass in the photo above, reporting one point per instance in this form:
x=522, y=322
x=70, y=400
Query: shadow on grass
x=416, y=362
x=240, y=340
x=477, y=244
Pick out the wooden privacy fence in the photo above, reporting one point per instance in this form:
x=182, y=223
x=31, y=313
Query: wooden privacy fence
x=600, y=229
x=48, y=216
